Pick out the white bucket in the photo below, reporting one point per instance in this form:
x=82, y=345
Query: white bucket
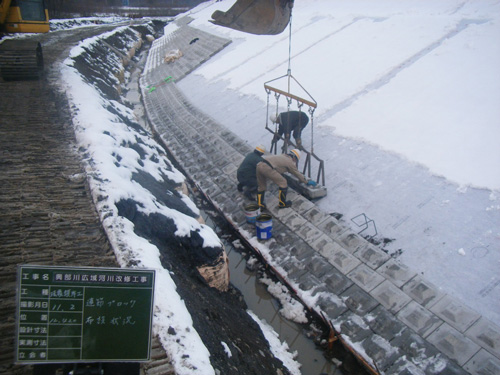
x=251, y=212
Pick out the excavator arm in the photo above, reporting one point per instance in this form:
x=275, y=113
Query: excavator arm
x=261, y=17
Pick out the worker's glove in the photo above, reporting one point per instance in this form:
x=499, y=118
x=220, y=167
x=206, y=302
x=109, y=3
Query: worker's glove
x=311, y=183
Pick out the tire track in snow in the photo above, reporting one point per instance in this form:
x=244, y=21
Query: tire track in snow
x=385, y=79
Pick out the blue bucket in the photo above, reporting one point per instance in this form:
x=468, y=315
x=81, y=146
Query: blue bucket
x=251, y=212
x=264, y=226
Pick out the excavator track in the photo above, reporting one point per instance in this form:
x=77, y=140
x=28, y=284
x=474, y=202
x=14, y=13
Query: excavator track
x=21, y=60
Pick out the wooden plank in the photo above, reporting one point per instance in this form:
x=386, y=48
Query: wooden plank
x=295, y=97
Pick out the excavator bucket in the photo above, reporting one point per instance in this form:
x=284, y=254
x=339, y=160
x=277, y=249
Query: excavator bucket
x=261, y=17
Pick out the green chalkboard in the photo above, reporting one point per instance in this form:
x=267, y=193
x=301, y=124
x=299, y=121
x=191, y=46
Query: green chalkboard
x=81, y=314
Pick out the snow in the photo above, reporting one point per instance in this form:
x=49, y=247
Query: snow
x=278, y=348
x=407, y=123
x=102, y=136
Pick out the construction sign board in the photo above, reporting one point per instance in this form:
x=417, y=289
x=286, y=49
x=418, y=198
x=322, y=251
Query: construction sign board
x=73, y=314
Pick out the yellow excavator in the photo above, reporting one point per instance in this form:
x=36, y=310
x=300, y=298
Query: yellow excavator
x=261, y=17
x=22, y=58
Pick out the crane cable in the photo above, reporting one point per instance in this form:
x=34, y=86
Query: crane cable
x=289, y=72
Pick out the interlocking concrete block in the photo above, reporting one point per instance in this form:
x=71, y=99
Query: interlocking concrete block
x=311, y=284
x=315, y=216
x=485, y=334
x=238, y=197
x=318, y=266
x=384, y=323
x=381, y=352
x=438, y=365
x=301, y=204
x=192, y=134
x=227, y=151
x=238, y=144
x=324, y=245
x=422, y=353
x=230, y=170
x=311, y=192
x=419, y=319
x=358, y=301
x=237, y=159
x=277, y=252
x=203, y=162
x=352, y=242
x=398, y=273
x=291, y=265
x=209, y=188
x=453, y=343
x=196, y=173
x=302, y=251
x=220, y=163
x=365, y=277
x=294, y=221
x=390, y=296
x=227, y=204
x=225, y=183
x=332, y=306
x=372, y=256
x=336, y=255
x=455, y=313
x=354, y=327
x=298, y=274
x=309, y=232
x=332, y=228
x=237, y=218
x=173, y=145
x=284, y=237
x=483, y=363
x=337, y=282
x=403, y=367
x=422, y=291
x=279, y=213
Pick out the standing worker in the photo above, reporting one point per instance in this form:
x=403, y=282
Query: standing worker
x=247, y=174
x=273, y=168
x=290, y=122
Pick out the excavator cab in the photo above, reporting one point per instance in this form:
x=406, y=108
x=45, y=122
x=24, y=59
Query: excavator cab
x=261, y=17
x=24, y=16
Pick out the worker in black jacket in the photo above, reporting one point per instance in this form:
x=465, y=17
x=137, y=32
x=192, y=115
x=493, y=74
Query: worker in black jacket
x=291, y=122
x=247, y=174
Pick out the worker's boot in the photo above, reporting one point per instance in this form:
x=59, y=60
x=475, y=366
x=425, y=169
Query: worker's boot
x=299, y=143
x=247, y=192
x=283, y=203
x=260, y=199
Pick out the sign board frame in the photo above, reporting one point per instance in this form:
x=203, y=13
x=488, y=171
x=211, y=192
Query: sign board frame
x=83, y=314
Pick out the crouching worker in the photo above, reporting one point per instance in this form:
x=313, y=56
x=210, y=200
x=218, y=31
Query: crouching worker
x=273, y=167
x=247, y=174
